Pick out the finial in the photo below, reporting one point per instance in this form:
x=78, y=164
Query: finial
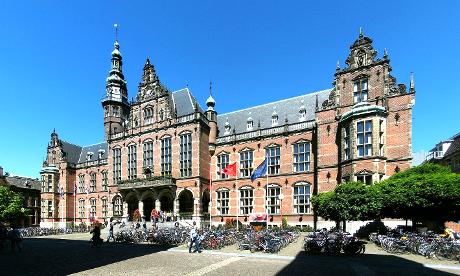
x=360, y=31
x=210, y=88
x=337, y=68
x=317, y=107
x=54, y=130
x=116, y=31
x=385, y=53
x=412, y=83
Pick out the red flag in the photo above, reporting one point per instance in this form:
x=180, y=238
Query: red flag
x=230, y=169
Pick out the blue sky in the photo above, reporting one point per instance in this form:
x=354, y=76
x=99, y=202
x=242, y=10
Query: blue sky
x=55, y=56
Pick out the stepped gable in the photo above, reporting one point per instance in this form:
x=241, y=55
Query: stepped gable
x=287, y=108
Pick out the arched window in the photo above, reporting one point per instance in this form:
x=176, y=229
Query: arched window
x=223, y=199
x=132, y=164
x=92, y=211
x=274, y=118
x=81, y=208
x=117, y=206
x=246, y=200
x=81, y=183
x=92, y=182
x=272, y=199
x=104, y=207
x=250, y=124
x=302, y=113
x=166, y=151
x=301, y=201
x=148, y=115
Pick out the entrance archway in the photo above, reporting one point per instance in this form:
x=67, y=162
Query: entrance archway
x=205, y=202
x=186, y=202
x=148, y=206
x=133, y=204
x=166, y=203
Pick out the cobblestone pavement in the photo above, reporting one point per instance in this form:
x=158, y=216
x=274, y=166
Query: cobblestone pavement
x=72, y=254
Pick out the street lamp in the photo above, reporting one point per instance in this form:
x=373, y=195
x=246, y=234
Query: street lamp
x=280, y=197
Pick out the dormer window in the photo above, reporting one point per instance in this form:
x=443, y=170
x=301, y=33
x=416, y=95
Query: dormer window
x=88, y=156
x=360, y=91
x=274, y=118
x=302, y=113
x=100, y=153
x=250, y=123
x=227, y=127
x=161, y=115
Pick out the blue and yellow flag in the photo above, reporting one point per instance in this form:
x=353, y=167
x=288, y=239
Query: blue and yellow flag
x=260, y=171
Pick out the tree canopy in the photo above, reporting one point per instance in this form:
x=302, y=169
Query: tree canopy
x=11, y=205
x=429, y=192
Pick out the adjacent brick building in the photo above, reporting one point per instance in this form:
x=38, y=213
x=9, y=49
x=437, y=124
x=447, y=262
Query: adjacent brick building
x=162, y=149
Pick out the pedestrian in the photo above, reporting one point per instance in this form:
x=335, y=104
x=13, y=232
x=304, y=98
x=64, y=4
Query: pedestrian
x=15, y=239
x=199, y=239
x=111, y=230
x=193, y=236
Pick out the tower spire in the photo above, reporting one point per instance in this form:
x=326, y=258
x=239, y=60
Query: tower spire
x=412, y=83
x=210, y=102
x=360, y=31
x=116, y=31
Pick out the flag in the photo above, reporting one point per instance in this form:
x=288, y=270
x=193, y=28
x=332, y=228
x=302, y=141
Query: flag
x=230, y=170
x=260, y=171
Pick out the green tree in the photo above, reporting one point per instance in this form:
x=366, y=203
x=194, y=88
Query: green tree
x=348, y=201
x=11, y=205
x=429, y=192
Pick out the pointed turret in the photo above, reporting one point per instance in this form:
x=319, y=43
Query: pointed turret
x=115, y=102
x=211, y=114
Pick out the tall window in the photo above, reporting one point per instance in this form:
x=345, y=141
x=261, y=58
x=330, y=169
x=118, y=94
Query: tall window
x=43, y=184
x=81, y=183
x=222, y=162
x=116, y=165
x=272, y=199
x=364, y=138
x=223, y=198
x=81, y=208
x=43, y=208
x=246, y=200
x=50, y=209
x=246, y=162
x=148, y=115
x=148, y=155
x=360, y=91
x=105, y=181
x=346, y=143
x=273, y=155
x=92, y=211
x=166, y=156
x=302, y=199
x=104, y=207
x=117, y=206
x=92, y=182
x=186, y=154
x=50, y=183
x=301, y=157
x=132, y=166
x=365, y=178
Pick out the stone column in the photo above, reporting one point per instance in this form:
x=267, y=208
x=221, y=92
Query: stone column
x=141, y=208
x=157, y=204
x=125, y=210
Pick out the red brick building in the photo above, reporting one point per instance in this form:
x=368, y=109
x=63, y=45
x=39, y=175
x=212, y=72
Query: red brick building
x=162, y=149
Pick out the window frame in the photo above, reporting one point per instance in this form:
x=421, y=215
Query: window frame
x=246, y=163
x=273, y=154
x=306, y=205
x=116, y=165
x=166, y=156
x=367, y=136
x=306, y=156
x=223, y=201
x=221, y=164
x=132, y=161
x=185, y=155
x=359, y=93
x=246, y=200
x=272, y=201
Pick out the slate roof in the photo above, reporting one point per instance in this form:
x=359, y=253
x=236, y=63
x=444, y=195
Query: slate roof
x=95, y=150
x=284, y=108
x=454, y=147
x=23, y=182
x=72, y=151
x=184, y=102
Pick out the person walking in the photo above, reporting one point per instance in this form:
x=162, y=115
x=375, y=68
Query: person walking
x=193, y=236
x=111, y=231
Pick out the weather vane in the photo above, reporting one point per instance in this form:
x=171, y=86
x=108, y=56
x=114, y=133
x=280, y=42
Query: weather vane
x=116, y=31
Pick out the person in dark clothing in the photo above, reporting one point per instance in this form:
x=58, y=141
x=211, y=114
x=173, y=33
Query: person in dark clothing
x=96, y=231
x=111, y=232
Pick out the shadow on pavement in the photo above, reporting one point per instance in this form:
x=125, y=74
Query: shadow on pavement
x=44, y=256
x=367, y=264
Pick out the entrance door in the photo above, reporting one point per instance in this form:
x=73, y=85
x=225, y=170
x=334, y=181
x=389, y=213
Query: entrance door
x=133, y=204
x=186, y=202
x=148, y=206
x=166, y=203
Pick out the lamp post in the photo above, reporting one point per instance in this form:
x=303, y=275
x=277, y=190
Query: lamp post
x=280, y=197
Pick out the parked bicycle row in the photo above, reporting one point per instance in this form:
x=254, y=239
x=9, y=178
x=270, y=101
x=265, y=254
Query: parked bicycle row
x=333, y=242
x=268, y=240
x=45, y=231
x=428, y=244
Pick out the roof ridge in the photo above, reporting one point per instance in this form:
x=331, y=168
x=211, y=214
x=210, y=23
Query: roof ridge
x=70, y=143
x=94, y=144
x=279, y=101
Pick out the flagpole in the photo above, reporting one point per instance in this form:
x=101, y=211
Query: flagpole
x=265, y=194
x=75, y=204
x=210, y=194
x=237, y=201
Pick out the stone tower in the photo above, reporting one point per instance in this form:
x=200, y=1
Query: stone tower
x=115, y=102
